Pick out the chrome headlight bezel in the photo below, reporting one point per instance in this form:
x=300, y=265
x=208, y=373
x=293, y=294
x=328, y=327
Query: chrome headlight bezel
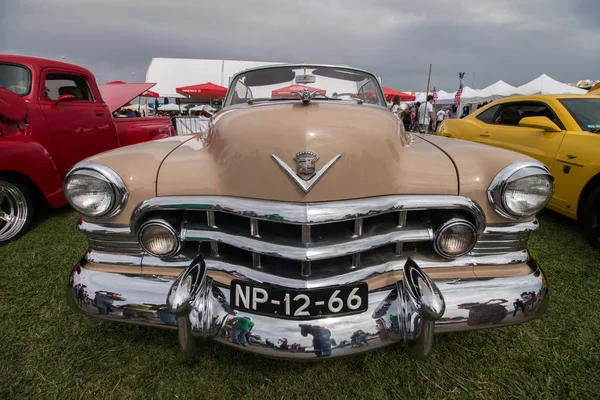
x=511, y=173
x=102, y=172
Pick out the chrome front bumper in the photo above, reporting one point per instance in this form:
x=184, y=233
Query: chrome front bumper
x=408, y=312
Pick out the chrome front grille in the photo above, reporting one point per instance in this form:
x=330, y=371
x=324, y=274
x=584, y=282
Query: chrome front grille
x=301, y=240
x=334, y=245
x=306, y=239
x=504, y=238
x=117, y=240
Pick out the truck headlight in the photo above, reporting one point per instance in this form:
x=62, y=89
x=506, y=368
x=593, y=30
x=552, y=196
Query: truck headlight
x=521, y=190
x=95, y=190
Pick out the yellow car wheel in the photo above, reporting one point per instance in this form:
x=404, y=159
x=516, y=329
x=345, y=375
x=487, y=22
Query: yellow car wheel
x=590, y=217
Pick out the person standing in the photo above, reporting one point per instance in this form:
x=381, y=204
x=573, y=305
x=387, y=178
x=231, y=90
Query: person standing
x=440, y=116
x=426, y=114
x=395, y=108
x=415, y=116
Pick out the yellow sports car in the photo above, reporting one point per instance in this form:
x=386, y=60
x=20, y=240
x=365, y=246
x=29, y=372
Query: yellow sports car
x=561, y=131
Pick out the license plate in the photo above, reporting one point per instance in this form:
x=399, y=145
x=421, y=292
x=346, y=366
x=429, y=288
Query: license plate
x=287, y=303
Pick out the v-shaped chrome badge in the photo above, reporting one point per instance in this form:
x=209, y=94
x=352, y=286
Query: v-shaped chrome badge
x=305, y=183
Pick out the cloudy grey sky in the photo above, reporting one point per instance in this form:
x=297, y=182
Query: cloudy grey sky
x=512, y=40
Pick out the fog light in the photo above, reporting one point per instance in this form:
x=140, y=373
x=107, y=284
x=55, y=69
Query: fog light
x=455, y=238
x=159, y=239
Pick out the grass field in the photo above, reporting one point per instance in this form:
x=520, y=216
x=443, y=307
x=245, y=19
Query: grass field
x=49, y=351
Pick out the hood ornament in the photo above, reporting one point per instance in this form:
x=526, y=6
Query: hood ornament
x=305, y=175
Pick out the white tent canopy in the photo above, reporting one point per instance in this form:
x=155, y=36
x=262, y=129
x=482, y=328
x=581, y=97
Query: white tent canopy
x=169, y=107
x=540, y=85
x=543, y=84
x=204, y=107
x=494, y=92
x=171, y=73
x=467, y=93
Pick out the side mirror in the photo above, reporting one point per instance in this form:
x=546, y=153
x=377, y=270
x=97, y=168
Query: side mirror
x=65, y=97
x=542, y=123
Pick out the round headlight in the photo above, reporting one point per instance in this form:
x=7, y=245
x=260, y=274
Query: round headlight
x=159, y=239
x=455, y=238
x=95, y=190
x=521, y=190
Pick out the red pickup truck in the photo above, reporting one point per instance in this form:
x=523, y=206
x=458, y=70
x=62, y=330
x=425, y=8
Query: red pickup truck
x=53, y=115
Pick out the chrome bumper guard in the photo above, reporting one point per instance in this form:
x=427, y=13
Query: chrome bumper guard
x=408, y=312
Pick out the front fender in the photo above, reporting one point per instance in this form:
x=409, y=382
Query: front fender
x=33, y=160
x=458, y=129
x=140, y=130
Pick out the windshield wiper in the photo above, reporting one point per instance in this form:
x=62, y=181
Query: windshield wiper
x=596, y=130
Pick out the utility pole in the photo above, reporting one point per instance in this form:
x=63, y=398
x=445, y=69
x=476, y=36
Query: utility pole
x=428, y=80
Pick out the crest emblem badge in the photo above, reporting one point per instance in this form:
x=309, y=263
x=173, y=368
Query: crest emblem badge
x=306, y=162
x=306, y=174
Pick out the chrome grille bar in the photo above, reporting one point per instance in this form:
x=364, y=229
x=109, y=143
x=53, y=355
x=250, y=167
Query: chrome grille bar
x=309, y=213
x=401, y=223
x=504, y=238
x=413, y=233
x=358, y=230
x=306, y=241
x=214, y=246
x=255, y=233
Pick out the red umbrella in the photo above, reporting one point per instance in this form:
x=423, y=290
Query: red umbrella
x=288, y=90
x=116, y=82
x=149, y=93
x=391, y=93
x=203, y=91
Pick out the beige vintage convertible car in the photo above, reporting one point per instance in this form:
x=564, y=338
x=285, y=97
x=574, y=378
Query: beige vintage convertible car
x=306, y=223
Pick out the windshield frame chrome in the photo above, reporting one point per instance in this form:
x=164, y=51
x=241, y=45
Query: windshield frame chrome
x=379, y=89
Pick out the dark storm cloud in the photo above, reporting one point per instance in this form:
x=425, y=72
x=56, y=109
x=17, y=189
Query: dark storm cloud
x=511, y=40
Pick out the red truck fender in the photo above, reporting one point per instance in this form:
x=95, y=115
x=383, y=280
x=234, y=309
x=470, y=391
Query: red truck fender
x=139, y=130
x=33, y=161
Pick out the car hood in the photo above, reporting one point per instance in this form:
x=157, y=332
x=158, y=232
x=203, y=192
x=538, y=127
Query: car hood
x=236, y=157
x=116, y=95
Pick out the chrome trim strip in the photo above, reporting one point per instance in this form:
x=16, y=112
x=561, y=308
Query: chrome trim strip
x=313, y=252
x=101, y=257
x=247, y=273
x=309, y=213
x=510, y=229
x=91, y=227
x=244, y=272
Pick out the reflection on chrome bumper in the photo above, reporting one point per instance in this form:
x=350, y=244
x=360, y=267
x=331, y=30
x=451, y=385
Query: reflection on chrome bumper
x=408, y=312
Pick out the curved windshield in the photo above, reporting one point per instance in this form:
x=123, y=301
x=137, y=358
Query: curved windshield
x=585, y=111
x=15, y=78
x=289, y=82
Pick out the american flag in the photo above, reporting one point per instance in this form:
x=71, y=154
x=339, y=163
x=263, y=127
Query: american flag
x=457, y=96
x=435, y=96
